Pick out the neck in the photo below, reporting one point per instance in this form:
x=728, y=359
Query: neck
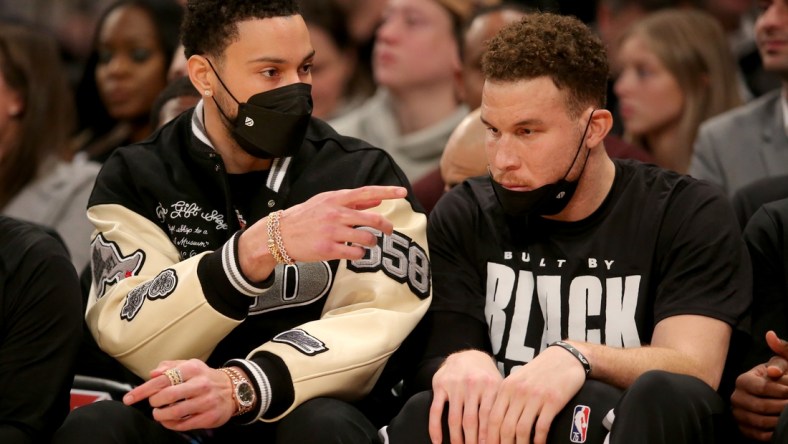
x=593, y=188
x=667, y=150
x=417, y=108
x=236, y=160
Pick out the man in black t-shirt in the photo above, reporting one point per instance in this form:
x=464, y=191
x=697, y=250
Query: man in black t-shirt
x=570, y=290
x=761, y=394
x=40, y=331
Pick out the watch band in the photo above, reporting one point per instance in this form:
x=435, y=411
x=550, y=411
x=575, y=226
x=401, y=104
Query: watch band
x=576, y=353
x=238, y=379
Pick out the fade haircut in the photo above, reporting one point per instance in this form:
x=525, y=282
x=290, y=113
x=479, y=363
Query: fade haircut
x=211, y=25
x=559, y=47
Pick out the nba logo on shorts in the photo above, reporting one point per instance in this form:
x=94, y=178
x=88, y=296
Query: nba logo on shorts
x=579, y=424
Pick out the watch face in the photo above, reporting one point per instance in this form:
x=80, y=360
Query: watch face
x=245, y=394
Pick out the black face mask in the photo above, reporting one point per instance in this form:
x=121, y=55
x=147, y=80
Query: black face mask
x=272, y=123
x=547, y=200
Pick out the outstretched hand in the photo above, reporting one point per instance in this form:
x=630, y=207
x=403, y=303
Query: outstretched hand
x=324, y=227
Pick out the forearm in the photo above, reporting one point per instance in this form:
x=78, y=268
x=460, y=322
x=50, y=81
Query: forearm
x=145, y=301
x=620, y=367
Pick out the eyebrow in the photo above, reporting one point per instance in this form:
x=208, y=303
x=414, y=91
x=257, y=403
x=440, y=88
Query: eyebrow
x=525, y=122
x=280, y=61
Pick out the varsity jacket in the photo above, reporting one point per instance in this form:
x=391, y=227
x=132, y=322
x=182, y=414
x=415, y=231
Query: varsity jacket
x=167, y=282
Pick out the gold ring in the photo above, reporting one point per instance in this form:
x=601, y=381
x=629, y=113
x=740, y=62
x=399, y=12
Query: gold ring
x=174, y=375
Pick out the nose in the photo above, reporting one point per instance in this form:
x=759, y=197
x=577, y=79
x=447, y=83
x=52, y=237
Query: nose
x=502, y=154
x=389, y=29
x=118, y=65
x=774, y=17
x=623, y=83
x=292, y=76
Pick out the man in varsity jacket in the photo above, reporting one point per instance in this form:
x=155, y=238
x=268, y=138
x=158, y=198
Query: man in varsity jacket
x=249, y=261
x=573, y=293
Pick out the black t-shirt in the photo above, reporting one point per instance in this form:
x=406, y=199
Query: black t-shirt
x=40, y=331
x=660, y=245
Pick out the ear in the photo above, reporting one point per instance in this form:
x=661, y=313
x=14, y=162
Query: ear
x=199, y=74
x=601, y=123
x=16, y=106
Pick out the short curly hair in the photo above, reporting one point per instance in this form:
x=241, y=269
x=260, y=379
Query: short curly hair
x=211, y=25
x=559, y=47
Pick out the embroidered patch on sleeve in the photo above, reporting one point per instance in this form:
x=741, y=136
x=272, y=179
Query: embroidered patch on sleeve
x=158, y=288
x=399, y=258
x=301, y=341
x=110, y=266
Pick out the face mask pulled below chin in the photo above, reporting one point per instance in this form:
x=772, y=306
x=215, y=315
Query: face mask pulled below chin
x=274, y=123
x=546, y=200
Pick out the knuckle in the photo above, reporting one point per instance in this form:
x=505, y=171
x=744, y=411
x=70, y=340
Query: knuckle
x=324, y=248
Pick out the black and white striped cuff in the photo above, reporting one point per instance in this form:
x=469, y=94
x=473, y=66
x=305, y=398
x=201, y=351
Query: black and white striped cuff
x=261, y=385
x=232, y=268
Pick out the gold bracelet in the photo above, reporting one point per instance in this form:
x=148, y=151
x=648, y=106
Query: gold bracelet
x=275, y=243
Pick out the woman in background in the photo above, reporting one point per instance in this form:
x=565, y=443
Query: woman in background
x=127, y=69
x=37, y=184
x=675, y=71
x=337, y=86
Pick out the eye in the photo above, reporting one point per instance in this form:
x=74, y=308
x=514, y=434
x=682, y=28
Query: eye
x=104, y=56
x=493, y=131
x=307, y=68
x=524, y=131
x=414, y=20
x=270, y=72
x=140, y=55
x=643, y=72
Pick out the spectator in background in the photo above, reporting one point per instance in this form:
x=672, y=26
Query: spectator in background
x=675, y=72
x=761, y=393
x=613, y=17
x=737, y=18
x=134, y=44
x=750, y=143
x=417, y=68
x=41, y=324
x=464, y=155
x=481, y=28
x=363, y=18
x=178, y=96
x=36, y=121
x=336, y=86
